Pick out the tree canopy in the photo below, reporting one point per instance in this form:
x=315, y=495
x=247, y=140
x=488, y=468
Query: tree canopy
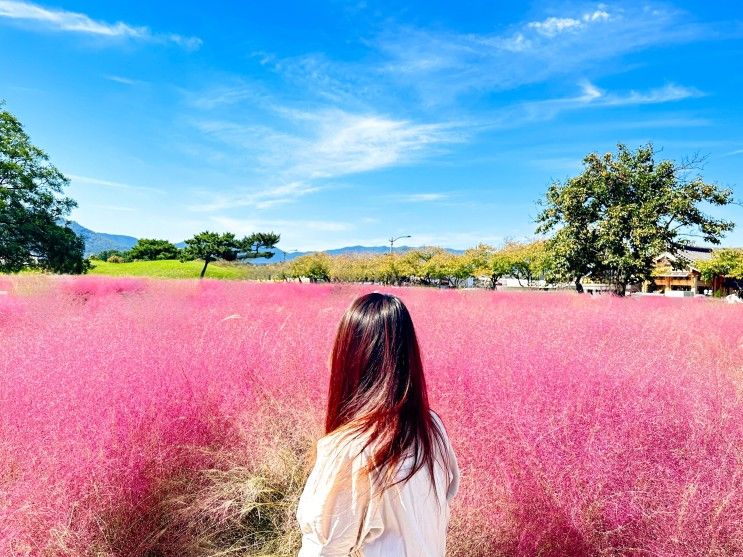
x=726, y=262
x=258, y=245
x=32, y=206
x=148, y=249
x=314, y=266
x=212, y=246
x=524, y=261
x=612, y=220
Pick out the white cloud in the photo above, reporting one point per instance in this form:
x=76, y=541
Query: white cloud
x=123, y=80
x=590, y=91
x=517, y=43
x=553, y=26
x=598, y=15
x=75, y=179
x=439, y=66
x=228, y=94
x=303, y=150
x=667, y=93
x=74, y=22
x=258, y=198
x=332, y=142
x=594, y=96
x=349, y=143
x=422, y=197
x=590, y=97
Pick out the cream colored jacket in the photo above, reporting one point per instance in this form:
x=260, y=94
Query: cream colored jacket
x=341, y=515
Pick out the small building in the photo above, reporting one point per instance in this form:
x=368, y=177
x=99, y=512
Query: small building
x=686, y=279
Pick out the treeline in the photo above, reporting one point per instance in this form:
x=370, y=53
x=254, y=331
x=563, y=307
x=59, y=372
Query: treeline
x=430, y=266
x=528, y=263
x=146, y=249
x=206, y=246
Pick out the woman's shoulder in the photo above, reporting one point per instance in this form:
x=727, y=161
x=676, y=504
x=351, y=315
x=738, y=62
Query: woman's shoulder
x=439, y=422
x=451, y=458
x=342, y=444
x=435, y=415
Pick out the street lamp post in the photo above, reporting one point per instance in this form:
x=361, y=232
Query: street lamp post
x=283, y=253
x=393, y=240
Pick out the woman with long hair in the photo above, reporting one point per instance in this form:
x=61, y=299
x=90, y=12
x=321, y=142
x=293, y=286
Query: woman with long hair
x=385, y=470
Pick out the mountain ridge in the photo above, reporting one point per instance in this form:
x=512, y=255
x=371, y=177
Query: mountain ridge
x=96, y=242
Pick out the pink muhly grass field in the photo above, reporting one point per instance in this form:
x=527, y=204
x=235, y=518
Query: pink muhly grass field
x=583, y=426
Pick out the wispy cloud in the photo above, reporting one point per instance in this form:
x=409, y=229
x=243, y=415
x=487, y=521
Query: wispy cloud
x=667, y=93
x=234, y=92
x=124, y=80
x=421, y=197
x=76, y=179
x=553, y=26
x=672, y=122
x=589, y=97
x=350, y=143
x=303, y=150
x=332, y=143
x=259, y=198
x=441, y=66
x=74, y=22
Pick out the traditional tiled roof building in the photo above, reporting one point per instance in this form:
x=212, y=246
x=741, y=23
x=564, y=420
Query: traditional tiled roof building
x=688, y=278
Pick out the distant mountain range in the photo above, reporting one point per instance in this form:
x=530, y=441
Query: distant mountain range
x=341, y=251
x=96, y=242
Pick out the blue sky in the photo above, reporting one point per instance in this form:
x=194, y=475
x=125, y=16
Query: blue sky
x=341, y=123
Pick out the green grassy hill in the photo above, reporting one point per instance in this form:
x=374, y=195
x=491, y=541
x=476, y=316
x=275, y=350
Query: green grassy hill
x=172, y=269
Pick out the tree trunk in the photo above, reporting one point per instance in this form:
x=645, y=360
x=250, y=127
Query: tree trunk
x=578, y=286
x=203, y=270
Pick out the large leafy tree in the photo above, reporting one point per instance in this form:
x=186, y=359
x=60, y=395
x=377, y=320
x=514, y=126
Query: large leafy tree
x=213, y=246
x=314, y=266
x=148, y=249
x=489, y=261
x=448, y=267
x=526, y=261
x=726, y=262
x=420, y=263
x=32, y=206
x=611, y=221
x=257, y=245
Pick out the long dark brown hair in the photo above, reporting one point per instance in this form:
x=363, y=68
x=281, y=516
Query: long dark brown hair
x=377, y=387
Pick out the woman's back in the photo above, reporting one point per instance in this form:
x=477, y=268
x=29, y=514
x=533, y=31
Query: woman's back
x=365, y=495
x=341, y=512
